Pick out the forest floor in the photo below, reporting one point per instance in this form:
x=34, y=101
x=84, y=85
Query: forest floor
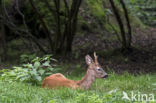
x=141, y=60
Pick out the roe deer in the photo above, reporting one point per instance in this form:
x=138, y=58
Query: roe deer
x=94, y=71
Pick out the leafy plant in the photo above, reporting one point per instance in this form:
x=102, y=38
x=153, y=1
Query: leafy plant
x=27, y=58
x=144, y=9
x=17, y=74
x=32, y=73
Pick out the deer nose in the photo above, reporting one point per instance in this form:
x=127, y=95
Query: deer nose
x=106, y=76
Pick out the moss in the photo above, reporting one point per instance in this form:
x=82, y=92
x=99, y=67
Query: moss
x=7, y=2
x=135, y=21
x=111, y=27
x=97, y=9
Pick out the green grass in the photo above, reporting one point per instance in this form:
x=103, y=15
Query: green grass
x=98, y=93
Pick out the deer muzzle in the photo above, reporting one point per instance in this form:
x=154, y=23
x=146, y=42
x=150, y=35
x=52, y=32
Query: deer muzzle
x=106, y=76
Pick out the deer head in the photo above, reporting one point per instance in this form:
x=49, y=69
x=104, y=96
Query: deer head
x=94, y=67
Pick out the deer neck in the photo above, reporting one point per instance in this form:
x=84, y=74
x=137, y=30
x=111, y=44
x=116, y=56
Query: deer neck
x=87, y=80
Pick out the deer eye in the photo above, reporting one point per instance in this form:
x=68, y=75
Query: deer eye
x=99, y=69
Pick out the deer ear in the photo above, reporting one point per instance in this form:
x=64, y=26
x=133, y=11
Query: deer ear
x=89, y=60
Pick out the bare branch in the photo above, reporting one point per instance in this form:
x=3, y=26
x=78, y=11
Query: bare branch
x=27, y=30
x=45, y=28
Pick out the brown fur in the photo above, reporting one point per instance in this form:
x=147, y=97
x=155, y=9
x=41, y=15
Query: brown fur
x=58, y=80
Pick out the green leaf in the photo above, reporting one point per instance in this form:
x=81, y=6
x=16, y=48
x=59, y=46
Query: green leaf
x=36, y=59
x=33, y=72
x=47, y=63
x=41, y=72
x=48, y=73
x=47, y=57
x=30, y=66
x=53, y=59
x=51, y=69
x=12, y=73
x=36, y=64
x=38, y=78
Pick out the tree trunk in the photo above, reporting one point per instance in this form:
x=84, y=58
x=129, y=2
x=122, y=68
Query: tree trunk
x=118, y=18
x=3, y=42
x=3, y=37
x=129, y=37
x=66, y=40
x=58, y=35
x=72, y=24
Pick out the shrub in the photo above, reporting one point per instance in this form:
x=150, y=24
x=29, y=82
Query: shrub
x=25, y=58
x=32, y=73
